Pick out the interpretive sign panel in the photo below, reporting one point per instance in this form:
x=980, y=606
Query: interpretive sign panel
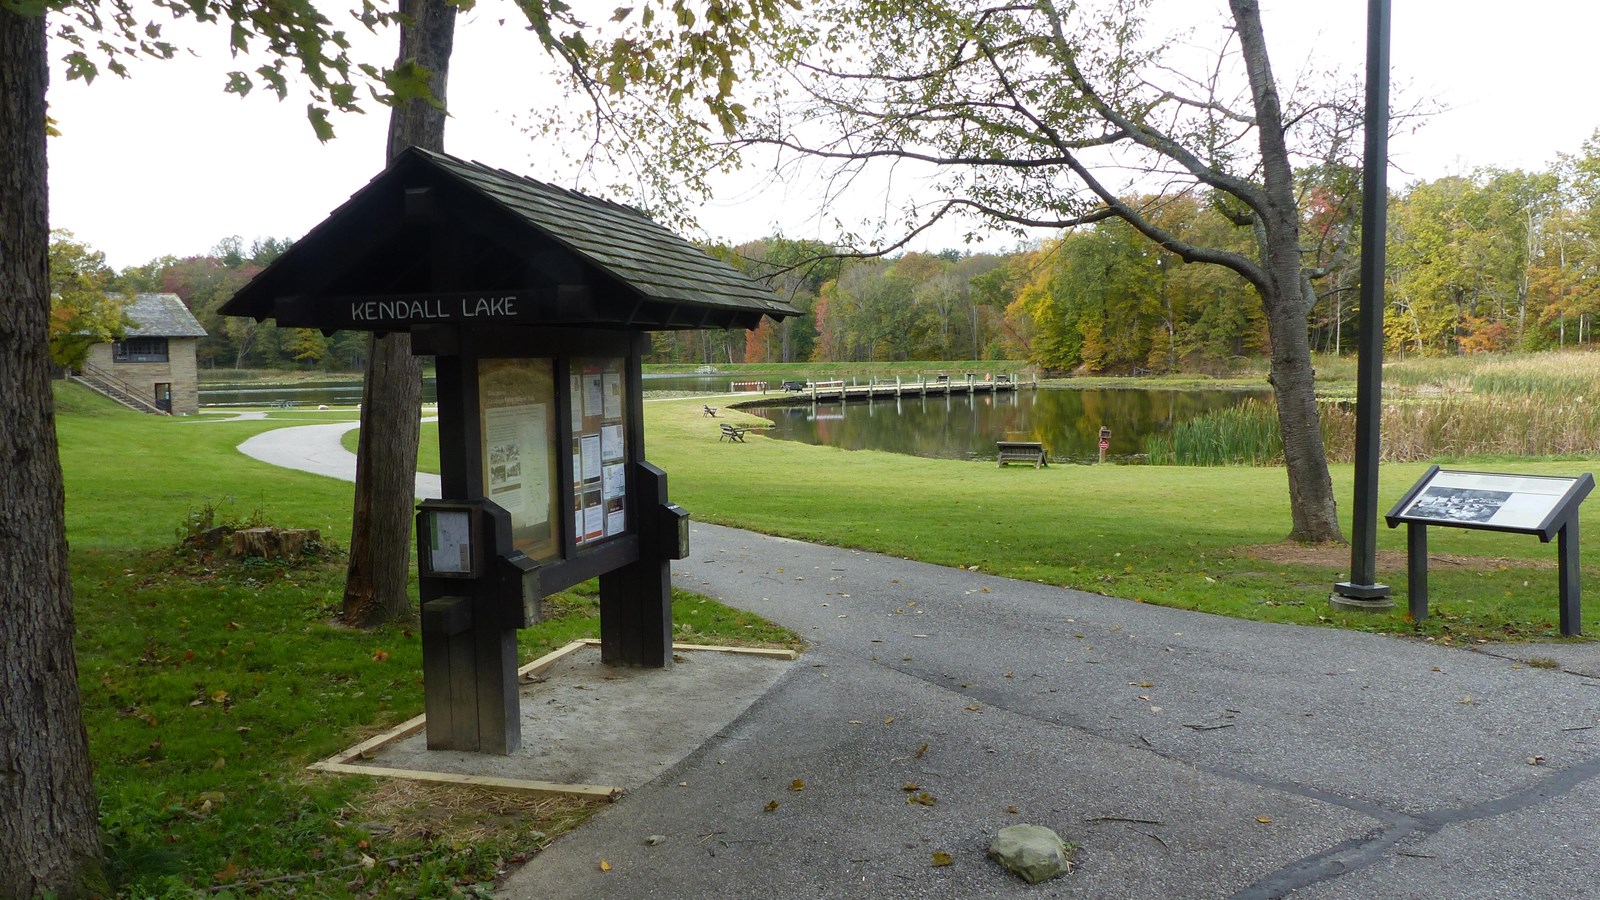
x=1543, y=505
x=1532, y=504
x=516, y=399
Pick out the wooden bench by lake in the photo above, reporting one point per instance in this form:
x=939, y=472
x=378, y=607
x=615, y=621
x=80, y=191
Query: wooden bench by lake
x=1021, y=452
x=732, y=433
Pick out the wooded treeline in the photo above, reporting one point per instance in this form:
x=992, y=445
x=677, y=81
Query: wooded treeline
x=1490, y=261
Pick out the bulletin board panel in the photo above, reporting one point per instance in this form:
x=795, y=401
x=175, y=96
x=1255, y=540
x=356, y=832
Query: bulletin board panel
x=517, y=416
x=598, y=402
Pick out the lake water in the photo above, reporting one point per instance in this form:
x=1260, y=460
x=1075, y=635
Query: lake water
x=958, y=426
x=1067, y=422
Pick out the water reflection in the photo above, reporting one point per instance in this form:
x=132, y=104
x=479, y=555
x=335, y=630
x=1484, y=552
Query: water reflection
x=1067, y=422
x=330, y=392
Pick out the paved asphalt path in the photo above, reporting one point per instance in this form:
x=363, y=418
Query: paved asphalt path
x=1186, y=755
x=318, y=449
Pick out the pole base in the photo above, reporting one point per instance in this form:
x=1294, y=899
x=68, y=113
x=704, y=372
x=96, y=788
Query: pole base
x=1361, y=597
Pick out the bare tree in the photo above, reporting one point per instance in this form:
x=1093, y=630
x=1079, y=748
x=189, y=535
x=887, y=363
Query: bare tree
x=1048, y=114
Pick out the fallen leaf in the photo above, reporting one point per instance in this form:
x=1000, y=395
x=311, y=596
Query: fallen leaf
x=1535, y=760
x=380, y=655
x=1265, y=820
x=974, y=708
x=219, y=696
x=920, y=750
x=1013, y=810
x=797, y=785
x=940, y=858
x=771, y=805
x=605, y=866
x=922, y=798
x=889, y=720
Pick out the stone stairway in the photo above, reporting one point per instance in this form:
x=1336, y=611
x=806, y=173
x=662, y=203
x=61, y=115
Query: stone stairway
x=115, y=389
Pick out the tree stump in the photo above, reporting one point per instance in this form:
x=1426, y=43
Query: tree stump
x=268, y=542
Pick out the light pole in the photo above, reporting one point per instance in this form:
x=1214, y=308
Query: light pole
x=1362, y=590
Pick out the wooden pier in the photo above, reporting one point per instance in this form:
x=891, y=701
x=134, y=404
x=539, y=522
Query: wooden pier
x=836, y=391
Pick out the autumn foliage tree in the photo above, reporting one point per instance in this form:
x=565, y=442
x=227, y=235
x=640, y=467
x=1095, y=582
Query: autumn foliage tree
x=85, y=308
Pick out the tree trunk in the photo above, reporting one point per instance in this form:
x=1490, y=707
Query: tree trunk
x=49, y=831
x=376, y=583
x=1287, y=299
x=1313, y=511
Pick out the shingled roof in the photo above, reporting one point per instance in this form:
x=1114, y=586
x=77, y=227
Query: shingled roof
x=161, y=315
x=432, y=225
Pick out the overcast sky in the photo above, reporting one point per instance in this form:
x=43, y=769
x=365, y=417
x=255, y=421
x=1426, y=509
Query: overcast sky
x=166, y=163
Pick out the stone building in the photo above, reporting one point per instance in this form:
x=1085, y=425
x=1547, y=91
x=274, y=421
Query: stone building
x=153, y=366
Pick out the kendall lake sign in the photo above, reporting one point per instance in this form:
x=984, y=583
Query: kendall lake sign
x=405, y=311
x=433, y=309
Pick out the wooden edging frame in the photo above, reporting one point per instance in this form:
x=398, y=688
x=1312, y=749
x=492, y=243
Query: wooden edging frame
x=344, y=762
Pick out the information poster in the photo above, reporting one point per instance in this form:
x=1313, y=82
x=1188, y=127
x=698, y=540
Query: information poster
x=599, y=449
x=611, y=442
x=611, y=387
x=516, y=400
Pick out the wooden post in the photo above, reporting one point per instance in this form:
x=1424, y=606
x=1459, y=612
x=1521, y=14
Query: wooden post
x=636, y=599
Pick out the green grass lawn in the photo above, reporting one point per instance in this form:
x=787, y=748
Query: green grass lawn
x=1208, y=539
x=209, y=685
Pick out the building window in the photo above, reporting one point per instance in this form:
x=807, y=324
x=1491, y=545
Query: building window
x=140, y=349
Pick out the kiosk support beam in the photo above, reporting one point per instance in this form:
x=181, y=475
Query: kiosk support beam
x=636, y=599
x=469, y=648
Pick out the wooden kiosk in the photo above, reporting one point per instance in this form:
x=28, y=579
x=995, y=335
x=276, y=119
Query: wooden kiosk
x=536, y=303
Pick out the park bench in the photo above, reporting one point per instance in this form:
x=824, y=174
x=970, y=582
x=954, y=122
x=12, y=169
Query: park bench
x=732, y=433
x=1021, y=451
x=709, y=411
